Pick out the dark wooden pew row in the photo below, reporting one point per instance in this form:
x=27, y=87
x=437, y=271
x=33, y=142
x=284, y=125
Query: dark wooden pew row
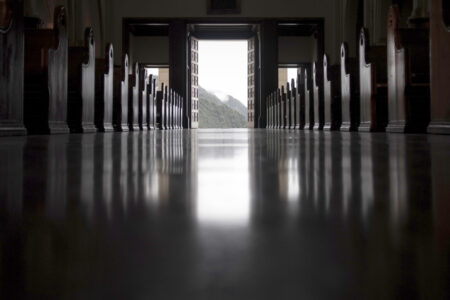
x=45, y=85
x=408, y=64
x=301, y=98
x=170, y=110
x=269, y=110
x=373, y=84
x=273, y=110
x=121, y=90
x=288, y=106
x=309, y=100
x=150, y=94
x=283, y=109
x=154, y=104
x=332, y=95
x=318, y=98
x=161, y=99
x=133, y=99
x=12, y=69
x=440, y=67
x=277, y=105
x=104, y=91
x=143, y=99
x=165, y=107
x=350, y=111
x=81, y=85
x=295, y=107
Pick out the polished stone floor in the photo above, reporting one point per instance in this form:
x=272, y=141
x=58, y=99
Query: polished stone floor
x=225, y=214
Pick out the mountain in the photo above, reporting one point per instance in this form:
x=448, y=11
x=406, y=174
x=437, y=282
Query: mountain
x=215, y=114
x=237, y=105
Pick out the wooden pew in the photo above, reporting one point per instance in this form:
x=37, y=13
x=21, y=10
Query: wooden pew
x=133, y=99
x=373, y=84
x=165, y=107
x=309, y=100
x=104, y=91
x=150, y=102
x=301, y=99
x=175, y=112
x=294, y=106
x=318, y=98
x=12, y=68
x=170, y=110
x=440, y=67
x=332, y=95
x=408, y=76
x=81, y=85
x=350, y=115
x=159, y=107
x=45, y=88
x=269, y=111
x=288, y=106
x=121, y=89
x=143, y=99
x=283, y=105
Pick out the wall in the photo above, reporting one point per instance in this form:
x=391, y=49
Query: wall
x=296, y=49
x=250, y=8
x=153, y=50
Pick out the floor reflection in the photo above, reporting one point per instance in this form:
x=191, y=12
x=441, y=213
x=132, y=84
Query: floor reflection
x=248, y=214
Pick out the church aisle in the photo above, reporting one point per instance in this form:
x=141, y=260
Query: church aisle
x=225, y=214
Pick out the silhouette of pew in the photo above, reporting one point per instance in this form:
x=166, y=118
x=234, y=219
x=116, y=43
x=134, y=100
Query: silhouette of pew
x=269, y=111
x=81, y=85
x=143, y=99
x=165, y=107
x=133, y=99
x=277, y=108
x=152, y=103
x=284, y=119
x=170, y=110
x=318, y=98
x=373, y=84
x=332, y=95
x=289, y=121
x=309, y=100
x=440, y=67
x=104, y=91
x=295, y=108
x=408, y=76
x=301, y=98
x=272, y=110
x=12, y=68
x=180, y=112
x=350, y=115
x=161, y=99
x=121, y=90
x=45, y=85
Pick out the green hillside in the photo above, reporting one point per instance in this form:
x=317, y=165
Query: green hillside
x=235, y=104
x=214, y=114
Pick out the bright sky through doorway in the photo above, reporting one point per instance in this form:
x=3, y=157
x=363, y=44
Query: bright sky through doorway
x=223, y=68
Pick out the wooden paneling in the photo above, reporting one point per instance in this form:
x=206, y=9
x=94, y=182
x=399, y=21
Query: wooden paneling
x=349, y=91
x=46, y=77
x=121, y=90
x=332, y=95
x=12, y=69
x=408, y=76
x=104, y=91
x=373, y=84
x=81, y=85
x=440, y=67
x=319, y=119
x=133, y=99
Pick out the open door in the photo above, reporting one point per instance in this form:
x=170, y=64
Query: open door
x=194, y=82
x=251, y=63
